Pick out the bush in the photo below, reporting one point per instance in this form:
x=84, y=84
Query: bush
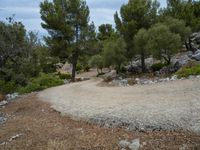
x=2, y=97
x=7, y=87
x=64, y=76
x=188, y=70
x=158, y=66
x=79, y=67
x=42, y=82
x=87, y=68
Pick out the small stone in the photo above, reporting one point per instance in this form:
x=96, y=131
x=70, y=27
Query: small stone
x=174, y=78
x=124, y=144
x=191, y=77
x=10, y=97
x=142, y=129
x=135, y=144
x=3, y=103
x=15, y=137
x=183, y=147
x=144, y=143
x=2, y=120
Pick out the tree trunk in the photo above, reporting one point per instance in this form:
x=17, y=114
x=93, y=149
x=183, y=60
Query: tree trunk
x=74, y=63
x=119, y=67
x=143, y=63
x=75, y=55
x=167, y=59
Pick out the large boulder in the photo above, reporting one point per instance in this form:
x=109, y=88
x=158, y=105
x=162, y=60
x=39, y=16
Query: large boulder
x=196, y=55
x=193, y=42
x=169, y=69
x=134, y=69
x=180, y=60
x=110, y=76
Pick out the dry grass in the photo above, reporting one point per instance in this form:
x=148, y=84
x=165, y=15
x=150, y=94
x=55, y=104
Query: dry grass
x=42, y=128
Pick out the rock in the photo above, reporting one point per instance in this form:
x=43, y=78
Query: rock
x=67, y=67
x=135, y=69
x=197, y=52
x=190, y=53
x=194, y=41
x=191, y=77
x=174, y=78
x=135, y=144
x=124, y=144
x=180, y=60
x=3, y=103
x=2, y=118
x=14, y=137
x=10, y=97
x=169, y=69
x=66, y=81
x=124, y=82
x=196, y=56
x=183, y=147
x=110, y=76
x=149, y=62
x=131, y=81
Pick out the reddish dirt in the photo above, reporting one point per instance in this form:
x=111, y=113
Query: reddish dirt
x=42, y=128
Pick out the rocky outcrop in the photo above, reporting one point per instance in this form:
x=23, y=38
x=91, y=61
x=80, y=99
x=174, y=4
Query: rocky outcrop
x=193, y=42
x=182, y=59
x=110, y=76
x=196, y=55
x=136, y=67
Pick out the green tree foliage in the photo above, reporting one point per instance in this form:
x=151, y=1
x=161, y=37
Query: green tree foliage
x=135, y=15
x=179, y=27
x=67, y=24
x=20, y=57
x=114, y=52
x=163, y=42
x=105, y=32
x=98, y=62
x=141, y=46
x=187, y=10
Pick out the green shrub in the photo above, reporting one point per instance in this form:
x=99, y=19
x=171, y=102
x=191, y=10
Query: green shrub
x=31, y=87
x=87, y=68
x=65, y=76
x=79, y=67
x=158, y=66
x=42, y=82
x=7, y=87
x=188, y=70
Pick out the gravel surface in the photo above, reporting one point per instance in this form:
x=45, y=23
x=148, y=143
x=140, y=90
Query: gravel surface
x=167, y=106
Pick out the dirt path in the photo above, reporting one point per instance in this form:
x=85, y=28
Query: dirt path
x=163, y=106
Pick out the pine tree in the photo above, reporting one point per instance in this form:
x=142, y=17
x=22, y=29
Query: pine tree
x=67, y=22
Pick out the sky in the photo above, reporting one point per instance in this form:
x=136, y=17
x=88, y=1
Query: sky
x=28, y=12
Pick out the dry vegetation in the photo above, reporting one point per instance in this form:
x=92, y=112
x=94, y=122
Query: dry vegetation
x=43, y=128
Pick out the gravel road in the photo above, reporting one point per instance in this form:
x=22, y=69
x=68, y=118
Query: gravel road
x=170, y=106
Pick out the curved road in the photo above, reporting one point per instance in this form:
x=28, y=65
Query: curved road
x=170, y=106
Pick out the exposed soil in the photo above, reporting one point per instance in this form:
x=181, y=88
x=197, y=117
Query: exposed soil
x=42, y=128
